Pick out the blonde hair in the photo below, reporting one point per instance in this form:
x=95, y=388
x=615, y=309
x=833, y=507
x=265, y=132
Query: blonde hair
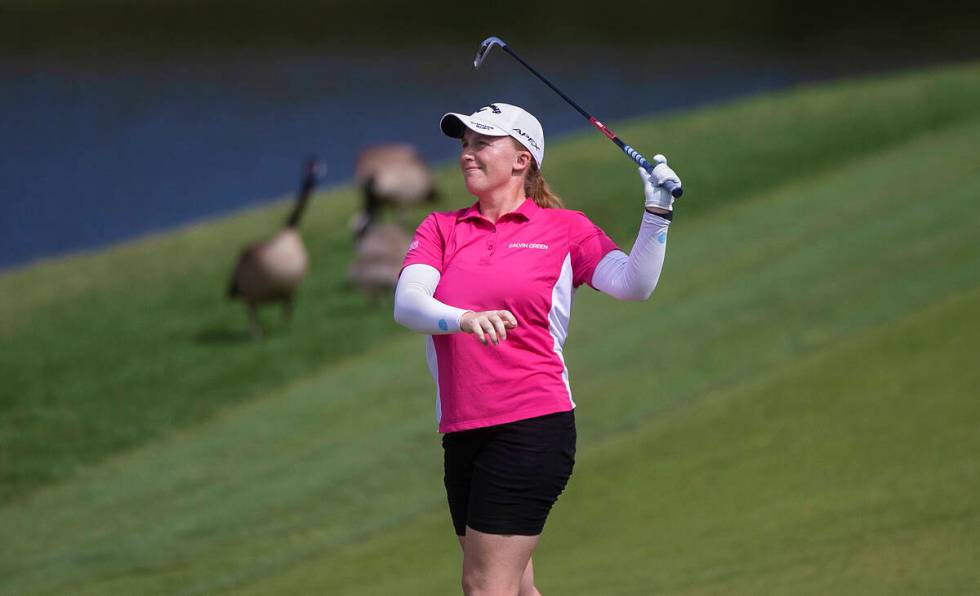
x=536, y=187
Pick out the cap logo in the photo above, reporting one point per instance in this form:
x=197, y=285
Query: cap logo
x=480, y=125
x=492, y=107
x=529, y=139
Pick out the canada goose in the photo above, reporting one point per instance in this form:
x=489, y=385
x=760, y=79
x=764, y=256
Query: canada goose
x=272, y=270
x=391, y=175
x=378, y=260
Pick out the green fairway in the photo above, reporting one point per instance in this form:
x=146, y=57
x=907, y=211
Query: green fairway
x=793, y=412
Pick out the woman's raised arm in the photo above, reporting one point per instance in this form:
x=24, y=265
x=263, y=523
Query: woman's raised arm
x=634, y=277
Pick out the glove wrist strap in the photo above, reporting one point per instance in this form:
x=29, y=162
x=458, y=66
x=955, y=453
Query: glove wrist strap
x=668, y=215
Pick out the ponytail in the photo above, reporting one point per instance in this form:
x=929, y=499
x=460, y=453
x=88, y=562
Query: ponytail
x=535, y=186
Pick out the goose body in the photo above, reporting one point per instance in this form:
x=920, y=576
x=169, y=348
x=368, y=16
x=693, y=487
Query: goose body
x=391, y=175
x=379, y=258
x=397, y=173
x=273, y=270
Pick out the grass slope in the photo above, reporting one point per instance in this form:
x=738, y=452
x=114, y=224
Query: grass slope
x=102, y=353
x=792, y=413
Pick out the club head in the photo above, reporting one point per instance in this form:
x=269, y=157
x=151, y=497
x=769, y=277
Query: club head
x=485, y=48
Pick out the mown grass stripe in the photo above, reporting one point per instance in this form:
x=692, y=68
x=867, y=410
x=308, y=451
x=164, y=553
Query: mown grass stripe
x=324, y=485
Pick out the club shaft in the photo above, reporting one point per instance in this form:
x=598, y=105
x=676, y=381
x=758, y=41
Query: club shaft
x=674, y=188
x=548, y=83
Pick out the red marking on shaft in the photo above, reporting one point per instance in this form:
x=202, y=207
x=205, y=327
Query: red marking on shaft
x=602, y=128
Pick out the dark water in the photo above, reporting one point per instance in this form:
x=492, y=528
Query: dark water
x=96, y=152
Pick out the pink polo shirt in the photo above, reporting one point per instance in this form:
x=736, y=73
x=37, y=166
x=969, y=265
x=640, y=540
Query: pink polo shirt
x=529, y=262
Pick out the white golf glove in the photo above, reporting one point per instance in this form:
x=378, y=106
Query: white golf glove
x=658, y=197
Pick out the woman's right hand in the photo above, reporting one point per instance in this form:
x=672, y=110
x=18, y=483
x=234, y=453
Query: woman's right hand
x=492, y=324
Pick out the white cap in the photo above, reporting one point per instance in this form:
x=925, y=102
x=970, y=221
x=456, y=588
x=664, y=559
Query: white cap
x=498, y=120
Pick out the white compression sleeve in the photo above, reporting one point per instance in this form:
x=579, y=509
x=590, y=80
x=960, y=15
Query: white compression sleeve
x=635, y=277
x=415, y=307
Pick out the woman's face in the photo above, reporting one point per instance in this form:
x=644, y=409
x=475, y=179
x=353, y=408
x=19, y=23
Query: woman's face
x=489, y=163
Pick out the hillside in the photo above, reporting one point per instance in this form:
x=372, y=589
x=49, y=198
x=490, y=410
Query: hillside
x=791, y=413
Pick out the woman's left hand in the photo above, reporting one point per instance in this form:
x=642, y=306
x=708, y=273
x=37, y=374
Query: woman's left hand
x=657, y=197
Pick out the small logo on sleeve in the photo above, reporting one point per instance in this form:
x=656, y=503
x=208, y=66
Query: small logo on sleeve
x=413, y=245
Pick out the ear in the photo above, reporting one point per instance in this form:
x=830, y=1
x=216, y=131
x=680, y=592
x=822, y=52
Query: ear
x=523, y=161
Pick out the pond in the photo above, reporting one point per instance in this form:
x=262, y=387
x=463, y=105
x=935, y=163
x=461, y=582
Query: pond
x=97, y=151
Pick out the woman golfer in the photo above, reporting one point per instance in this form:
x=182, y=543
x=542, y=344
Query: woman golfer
x=491, y=285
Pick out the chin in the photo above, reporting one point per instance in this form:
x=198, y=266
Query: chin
x=475, y=188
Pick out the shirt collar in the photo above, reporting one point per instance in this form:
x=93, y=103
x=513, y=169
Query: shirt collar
x=525, y=211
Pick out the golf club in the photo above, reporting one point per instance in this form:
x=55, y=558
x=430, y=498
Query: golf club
x=481, y=55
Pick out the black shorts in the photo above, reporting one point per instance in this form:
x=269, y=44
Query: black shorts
x=504, y=479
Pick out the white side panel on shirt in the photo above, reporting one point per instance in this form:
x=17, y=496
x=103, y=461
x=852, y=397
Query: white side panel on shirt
x=561, y=310
x=433, y=362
